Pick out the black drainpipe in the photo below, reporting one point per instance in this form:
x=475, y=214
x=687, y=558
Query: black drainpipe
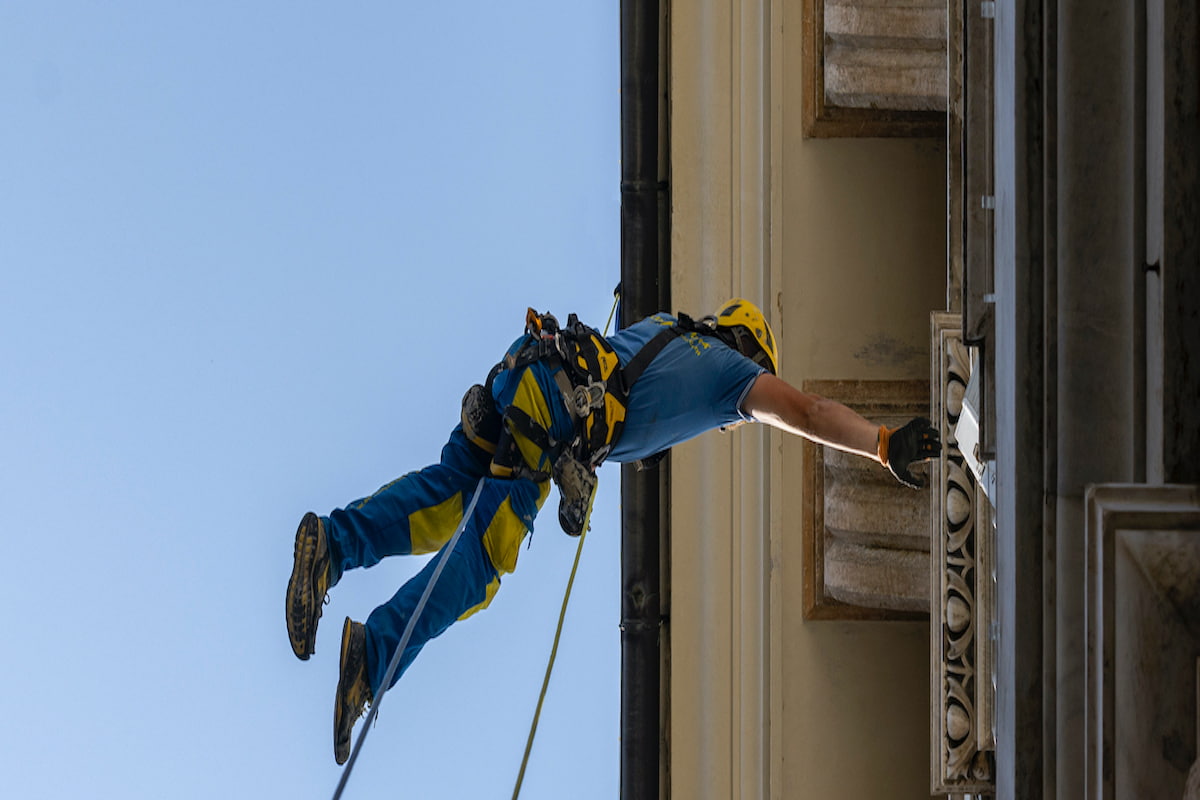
x=645, y=279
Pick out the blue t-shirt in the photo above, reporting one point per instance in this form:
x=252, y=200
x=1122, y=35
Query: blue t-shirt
x=697, y=383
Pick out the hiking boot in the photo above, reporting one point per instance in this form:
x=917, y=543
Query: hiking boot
x=308, y=585
x=353, y=690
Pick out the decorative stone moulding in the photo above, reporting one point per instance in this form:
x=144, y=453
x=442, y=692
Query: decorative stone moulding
x=1143, y=638
x=962, y=589
x=874, y=68
x=865, y=536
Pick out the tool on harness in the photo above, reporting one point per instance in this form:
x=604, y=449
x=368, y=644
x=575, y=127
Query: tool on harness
x=586, y=398
x=576, y=483
x=480, y=421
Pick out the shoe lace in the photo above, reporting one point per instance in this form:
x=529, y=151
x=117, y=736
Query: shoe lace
x=310, y=548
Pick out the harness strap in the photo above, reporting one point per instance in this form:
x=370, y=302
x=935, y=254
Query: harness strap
x=567, y=390
x=637, y=365
x=523, y=424
x=538, y=350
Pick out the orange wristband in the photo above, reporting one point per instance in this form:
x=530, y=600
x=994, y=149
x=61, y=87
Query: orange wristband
x=881, y=447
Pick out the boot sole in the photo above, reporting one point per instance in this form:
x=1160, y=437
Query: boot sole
x=341, y=750
x=300, y=595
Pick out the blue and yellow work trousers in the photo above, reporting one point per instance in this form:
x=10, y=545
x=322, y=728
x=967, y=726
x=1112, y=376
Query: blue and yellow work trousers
x=419, y=512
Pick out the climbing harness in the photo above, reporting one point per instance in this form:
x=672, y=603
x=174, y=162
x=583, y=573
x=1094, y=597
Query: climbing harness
x=595, y=389
x=595, y=392
x=404, y=637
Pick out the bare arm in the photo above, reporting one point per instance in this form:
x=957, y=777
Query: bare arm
x=781, y=405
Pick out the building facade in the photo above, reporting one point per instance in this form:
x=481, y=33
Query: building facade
x=984, y=212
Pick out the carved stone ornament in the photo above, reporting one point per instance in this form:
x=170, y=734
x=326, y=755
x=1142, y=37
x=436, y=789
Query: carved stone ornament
x=962, y=694
x=865, y=536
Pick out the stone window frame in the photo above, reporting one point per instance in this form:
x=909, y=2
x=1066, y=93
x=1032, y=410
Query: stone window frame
x=825, y=121
x=1115, y=515
x=891, y=401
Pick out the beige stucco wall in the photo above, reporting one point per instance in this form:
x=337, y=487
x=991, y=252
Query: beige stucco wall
x=844, y=242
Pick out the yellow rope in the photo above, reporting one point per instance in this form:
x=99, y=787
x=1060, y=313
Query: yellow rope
x=558, y=630
x=549, y=667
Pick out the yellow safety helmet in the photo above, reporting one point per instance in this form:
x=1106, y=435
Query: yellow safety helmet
x=750, y=331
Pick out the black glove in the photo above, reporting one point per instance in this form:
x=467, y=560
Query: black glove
x=900, y=447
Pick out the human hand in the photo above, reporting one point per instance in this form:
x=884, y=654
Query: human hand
x=900, y=447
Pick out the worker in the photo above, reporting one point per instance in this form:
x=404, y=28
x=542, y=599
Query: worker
x=563, y=400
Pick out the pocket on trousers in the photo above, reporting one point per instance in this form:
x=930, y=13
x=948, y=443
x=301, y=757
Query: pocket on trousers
x=503, y=538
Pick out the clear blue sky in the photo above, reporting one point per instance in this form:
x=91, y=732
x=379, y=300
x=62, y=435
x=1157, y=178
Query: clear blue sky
x=251, y=255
